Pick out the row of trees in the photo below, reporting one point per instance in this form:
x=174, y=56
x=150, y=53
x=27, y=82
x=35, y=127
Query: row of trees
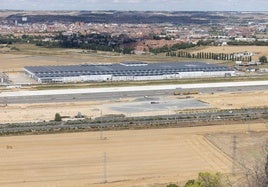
x=10, y=39
x=210, y=55
x=239, y=43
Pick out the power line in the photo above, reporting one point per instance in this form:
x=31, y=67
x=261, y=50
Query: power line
x=234, y=154
x=104, y=167
x=101, y=133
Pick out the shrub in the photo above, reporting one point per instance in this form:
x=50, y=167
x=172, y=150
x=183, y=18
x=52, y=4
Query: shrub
x=57, y=117
x=172, y=185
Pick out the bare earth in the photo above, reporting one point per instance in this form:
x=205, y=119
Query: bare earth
x=258, y=50
x=236, y=100
x=30, y=55
x=250, y=145
x=34, y=56
x=134, y=158
x=40, y=112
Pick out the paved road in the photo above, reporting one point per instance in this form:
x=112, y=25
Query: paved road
x=111, y=93
x=134, y=88
x=78, y=97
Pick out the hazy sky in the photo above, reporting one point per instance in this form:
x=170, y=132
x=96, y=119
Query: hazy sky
x=169, y=5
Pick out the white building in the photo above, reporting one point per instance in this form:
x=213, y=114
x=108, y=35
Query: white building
x=126, y=71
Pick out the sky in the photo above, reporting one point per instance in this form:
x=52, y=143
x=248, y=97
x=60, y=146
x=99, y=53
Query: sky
x=139, y=5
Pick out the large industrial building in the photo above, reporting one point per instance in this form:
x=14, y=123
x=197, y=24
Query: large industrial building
x=126, y=71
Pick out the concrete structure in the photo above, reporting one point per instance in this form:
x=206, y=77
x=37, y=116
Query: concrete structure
x=126, y=71
x=251, y=63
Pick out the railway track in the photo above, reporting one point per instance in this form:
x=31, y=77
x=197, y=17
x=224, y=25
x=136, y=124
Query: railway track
x=110, y=122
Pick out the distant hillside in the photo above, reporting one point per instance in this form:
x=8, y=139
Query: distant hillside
x=120, y=17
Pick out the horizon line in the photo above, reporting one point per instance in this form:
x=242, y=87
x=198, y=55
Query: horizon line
x=69, y=10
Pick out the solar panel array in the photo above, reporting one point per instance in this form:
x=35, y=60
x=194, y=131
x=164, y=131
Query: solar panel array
x=151, y=69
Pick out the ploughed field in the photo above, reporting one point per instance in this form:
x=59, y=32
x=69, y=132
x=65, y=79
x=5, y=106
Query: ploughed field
x=133, y=157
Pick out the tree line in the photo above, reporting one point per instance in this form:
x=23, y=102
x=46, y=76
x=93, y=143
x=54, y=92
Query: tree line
x=210, y=55
x=174, y=47
x=101, y=42
x=255, y=43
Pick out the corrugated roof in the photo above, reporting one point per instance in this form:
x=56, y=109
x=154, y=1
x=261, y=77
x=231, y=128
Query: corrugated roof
x=149, y=69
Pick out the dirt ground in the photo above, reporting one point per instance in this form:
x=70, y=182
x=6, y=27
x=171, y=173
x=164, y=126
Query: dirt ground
x=20, y=78
x=236, y=100
x=258, y=50
x=249, y=145
x=251, y=149
x=40, y=112
x=133, y=158
x=44, y=112
x=29, y=55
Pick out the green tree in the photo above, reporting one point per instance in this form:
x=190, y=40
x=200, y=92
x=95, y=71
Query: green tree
x=205, y=179
x=57, y=117
x=263, y=59
x=172, y=185
x=191, y=183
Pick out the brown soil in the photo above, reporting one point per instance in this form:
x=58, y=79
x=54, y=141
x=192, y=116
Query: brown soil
x=236, y=100
x=134, y=158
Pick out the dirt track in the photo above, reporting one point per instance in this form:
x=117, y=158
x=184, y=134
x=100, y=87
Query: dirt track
x=134, y=158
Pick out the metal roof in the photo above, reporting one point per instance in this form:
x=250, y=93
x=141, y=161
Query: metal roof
x=123, y=69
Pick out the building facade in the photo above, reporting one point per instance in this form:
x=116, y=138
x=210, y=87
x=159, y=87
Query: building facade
x=126, y=71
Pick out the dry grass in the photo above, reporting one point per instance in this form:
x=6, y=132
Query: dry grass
x=134, y=158
x=249, y=146
x=16, y=62
x=39, y=112
x=236, y=100
x=30, y=55
x=258, y=50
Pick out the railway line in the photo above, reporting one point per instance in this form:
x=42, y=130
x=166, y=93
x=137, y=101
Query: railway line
x=121, y=122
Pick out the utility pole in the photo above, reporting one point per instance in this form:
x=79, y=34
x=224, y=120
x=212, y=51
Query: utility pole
x=104, y=167
x=248, y=127
x=248, y=123
x=101, y=133
x=234, y=154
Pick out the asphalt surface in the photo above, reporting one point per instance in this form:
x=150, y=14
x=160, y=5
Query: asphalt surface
x=79, y=97
x=160, y=105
